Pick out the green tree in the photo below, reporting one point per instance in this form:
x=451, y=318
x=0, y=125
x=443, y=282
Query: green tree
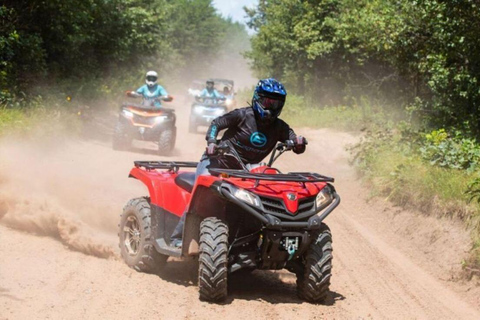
x=404, y=51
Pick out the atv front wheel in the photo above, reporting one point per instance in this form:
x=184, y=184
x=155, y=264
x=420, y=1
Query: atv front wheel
x=121, y=141
x=136, y=239
x=166, y=141
x=314, y=281
x=213, y=259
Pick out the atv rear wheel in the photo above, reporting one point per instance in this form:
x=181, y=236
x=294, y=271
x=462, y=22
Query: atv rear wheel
x=166, y=141
x=136, y=239
x=121, y=141
x=314, y=281
x=213, y=259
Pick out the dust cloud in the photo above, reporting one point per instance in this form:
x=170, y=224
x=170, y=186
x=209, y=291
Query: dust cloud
x=73, y=188
x=49, y=190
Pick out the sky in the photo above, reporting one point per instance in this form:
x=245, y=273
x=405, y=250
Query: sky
x=234, y=8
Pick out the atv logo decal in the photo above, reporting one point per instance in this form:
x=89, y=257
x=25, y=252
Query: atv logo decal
x=291, y=196
x=258, y=139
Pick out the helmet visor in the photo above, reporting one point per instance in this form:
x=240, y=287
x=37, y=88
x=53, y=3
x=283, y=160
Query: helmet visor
x=151, y=78
x=271, y=104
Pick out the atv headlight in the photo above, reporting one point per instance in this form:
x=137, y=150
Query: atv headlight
x=160, y=119
x=127, y=113
x=247, y=197
x=229, y=102
x=219, y=112
x=199, y=109
x=324, y=197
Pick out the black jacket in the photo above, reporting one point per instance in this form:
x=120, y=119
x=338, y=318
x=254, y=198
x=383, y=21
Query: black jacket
x=253, y=140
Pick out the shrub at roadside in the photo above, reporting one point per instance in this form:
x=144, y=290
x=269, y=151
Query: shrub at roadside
x=434, y=173
x=28, y=115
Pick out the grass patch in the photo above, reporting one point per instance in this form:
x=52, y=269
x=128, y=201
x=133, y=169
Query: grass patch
x=12, y=119
x=44, y=117
x=396, y=170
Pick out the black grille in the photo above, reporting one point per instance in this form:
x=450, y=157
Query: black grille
x=272, y=205
x=306, y=204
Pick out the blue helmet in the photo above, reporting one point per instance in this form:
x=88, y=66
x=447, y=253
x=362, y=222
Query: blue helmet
x=268, y=99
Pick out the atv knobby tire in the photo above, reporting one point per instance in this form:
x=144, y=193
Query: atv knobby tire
x=166, y=141
x=136, y=239
x=213, y=259
x=314, y=281
x=121, y=141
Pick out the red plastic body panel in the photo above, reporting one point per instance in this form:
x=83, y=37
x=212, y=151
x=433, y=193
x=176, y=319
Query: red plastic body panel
x=165, y=193
x=143, y=113
x=289, y=192
x=163, y=190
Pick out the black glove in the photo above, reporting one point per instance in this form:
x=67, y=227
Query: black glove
x=300, y=140
x=211, y=149
x=300, y=144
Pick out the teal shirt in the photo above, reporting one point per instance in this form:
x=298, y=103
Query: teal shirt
x=151, y=93
x=213, y=94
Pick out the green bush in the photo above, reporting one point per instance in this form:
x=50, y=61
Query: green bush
x=424, y=172
x=455, y=152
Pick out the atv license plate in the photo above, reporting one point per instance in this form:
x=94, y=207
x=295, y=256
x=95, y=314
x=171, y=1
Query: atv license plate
x=290, y=243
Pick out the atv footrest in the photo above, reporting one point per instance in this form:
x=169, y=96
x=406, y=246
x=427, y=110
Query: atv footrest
x=162, y=247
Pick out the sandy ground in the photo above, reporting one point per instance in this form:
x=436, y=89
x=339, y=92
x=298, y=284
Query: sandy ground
x=60, y=201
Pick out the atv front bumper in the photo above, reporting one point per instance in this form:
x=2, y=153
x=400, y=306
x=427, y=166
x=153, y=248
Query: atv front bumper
x=272, y=222
x=149, y=131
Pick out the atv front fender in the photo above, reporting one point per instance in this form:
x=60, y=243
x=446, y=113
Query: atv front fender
x=206, y=202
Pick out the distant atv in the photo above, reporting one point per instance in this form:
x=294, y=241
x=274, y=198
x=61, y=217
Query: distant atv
x=145, y=122
x=204, y=110
x=253, y=218
x=226, y=87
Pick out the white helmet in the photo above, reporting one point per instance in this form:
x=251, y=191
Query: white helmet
x=151, y=78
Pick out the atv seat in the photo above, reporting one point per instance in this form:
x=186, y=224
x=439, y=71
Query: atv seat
x=186, y=180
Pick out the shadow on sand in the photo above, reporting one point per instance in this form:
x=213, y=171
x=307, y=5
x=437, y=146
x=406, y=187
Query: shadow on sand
x=270, y=286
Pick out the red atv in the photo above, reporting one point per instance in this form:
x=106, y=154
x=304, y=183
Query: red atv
x=254, y=218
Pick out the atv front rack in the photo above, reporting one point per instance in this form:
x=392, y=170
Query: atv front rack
x=291, y=176
x=170, y=165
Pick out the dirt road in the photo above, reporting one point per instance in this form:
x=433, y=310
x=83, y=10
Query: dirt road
x=60, y=203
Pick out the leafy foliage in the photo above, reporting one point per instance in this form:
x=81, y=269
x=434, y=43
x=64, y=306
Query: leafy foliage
x=399, y=51
x=455, y=152
x=74, y=46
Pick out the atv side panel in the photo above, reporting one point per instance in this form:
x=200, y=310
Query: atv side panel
x=168, y=202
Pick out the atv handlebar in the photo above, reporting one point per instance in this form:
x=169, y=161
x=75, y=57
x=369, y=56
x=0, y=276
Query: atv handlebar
x=225, y=148
x=281, y=148
x=211, y=100
x=133, y=94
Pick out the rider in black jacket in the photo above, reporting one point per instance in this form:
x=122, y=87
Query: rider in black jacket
x=252, y=131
